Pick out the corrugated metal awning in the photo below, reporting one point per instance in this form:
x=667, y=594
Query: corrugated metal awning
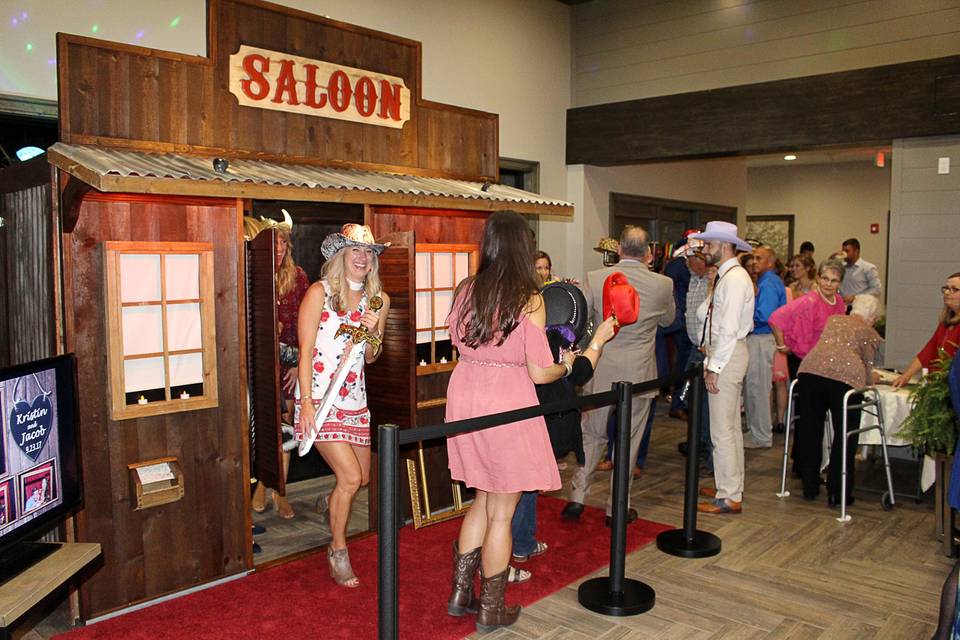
x=121, y=170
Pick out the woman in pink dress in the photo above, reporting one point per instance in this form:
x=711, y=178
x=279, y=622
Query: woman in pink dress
x=497, y=324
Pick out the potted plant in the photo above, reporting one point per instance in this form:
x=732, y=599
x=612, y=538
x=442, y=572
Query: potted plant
x=931, y=426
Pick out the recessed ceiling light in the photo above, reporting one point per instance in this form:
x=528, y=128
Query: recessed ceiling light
x=789, y=156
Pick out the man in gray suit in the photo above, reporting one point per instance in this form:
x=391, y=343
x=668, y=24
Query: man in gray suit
x=631, y=360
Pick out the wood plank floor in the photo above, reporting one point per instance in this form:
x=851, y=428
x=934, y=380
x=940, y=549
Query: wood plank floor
x=787, y=569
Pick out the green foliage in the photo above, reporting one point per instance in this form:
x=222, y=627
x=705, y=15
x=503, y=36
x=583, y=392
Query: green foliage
x=931, y=426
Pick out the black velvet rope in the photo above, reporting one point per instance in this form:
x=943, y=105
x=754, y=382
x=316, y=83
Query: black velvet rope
x=603, y=399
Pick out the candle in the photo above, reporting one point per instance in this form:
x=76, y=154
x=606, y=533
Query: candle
x=142, y=400
x=423, y=363
x=184, y=395
x=443, y=361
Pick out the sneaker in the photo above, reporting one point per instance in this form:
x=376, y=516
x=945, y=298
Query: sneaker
x=572, y=511
x=720, y=505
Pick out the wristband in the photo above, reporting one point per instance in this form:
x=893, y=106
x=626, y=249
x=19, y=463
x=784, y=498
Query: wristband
x=568, y=367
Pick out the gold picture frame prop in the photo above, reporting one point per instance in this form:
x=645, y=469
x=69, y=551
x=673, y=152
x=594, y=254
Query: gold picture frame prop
x=422, y=514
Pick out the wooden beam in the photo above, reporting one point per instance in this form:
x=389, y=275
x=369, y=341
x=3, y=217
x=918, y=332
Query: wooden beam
x=864, y=106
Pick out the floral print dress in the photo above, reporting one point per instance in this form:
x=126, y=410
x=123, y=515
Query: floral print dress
x=349, y=418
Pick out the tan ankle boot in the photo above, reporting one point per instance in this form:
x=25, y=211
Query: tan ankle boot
x=465, y=566
x=493, y=612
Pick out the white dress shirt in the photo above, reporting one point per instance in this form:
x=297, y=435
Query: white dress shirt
x=731, y=316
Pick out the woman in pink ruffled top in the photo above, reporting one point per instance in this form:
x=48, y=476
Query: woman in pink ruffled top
x=497, y=325
x=797, y=326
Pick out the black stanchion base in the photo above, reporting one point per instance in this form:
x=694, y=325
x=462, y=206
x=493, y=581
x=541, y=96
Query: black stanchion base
x=675, y=543
x=636, y=598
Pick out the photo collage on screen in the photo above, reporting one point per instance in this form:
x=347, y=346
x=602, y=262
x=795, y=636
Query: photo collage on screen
x=30, y=481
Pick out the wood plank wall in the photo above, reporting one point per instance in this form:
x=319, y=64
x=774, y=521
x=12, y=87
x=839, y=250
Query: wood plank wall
x=26, y=261
x=205, y=535
x=631, y=49
x=162, y=101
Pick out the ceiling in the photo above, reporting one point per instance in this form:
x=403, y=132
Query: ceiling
x=821, y=156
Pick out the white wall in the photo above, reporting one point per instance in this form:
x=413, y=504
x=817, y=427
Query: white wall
x=722, y=182
x=831, y=202
x=503, y=56
x=630, y=49
x=925, y=220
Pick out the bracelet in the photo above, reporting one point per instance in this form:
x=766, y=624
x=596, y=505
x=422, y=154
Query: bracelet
x=595, y=346
x=303, y=400
x=781, y=347
x=568, y=367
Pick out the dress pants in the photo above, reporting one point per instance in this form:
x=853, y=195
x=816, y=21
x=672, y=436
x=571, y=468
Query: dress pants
x=762, y=348
x=817, y=396
x=725, y=426
x=594, y=426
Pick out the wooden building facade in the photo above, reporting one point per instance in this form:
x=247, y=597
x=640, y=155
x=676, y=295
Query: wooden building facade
x=135, y=175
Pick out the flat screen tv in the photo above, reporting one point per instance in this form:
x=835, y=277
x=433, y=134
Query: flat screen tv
x=39, y=465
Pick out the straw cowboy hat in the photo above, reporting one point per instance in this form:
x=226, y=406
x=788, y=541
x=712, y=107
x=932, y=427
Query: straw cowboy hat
x=724, y=232
x=351, y=235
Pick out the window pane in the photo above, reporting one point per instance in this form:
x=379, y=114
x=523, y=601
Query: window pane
x=186, y=369
x=424, y=310
x=423, y=270
x=142, y=330
x=441, y=306
x=183, y=326
x=442, y=334
x=183, y=276
x=443, y=269
x=423, y=337
x=463, y=266
x=139, y=277
x=143, y=374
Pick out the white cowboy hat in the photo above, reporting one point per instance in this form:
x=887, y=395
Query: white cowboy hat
x=724, y=232
x=352, y=235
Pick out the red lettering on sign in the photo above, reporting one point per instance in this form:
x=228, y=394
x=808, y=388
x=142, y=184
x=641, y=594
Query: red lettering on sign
x=365, y=96
x=286, y=84
x=339, y=90
x=389, y=100
x=256, y=77
x=314, y=96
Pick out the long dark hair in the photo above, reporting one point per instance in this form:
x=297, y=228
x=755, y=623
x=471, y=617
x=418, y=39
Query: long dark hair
x=503, y=284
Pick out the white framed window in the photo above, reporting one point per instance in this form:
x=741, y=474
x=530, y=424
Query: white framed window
x=439, y=269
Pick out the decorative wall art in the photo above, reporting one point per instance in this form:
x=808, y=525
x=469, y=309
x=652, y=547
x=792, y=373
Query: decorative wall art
x=775, y=231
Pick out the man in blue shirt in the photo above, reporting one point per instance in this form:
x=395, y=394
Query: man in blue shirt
x=771, y=295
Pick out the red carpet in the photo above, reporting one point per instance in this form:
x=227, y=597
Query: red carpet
x=299, y=600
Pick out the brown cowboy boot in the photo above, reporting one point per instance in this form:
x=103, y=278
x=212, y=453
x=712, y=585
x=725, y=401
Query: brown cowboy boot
x=493, y=612
x=462, y=601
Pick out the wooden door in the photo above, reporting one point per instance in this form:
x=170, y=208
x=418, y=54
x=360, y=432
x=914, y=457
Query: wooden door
x=391, y=391
x=263, y=370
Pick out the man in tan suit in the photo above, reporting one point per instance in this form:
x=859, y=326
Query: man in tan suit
x=632, y=359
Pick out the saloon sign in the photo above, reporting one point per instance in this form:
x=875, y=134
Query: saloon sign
x=283, y=82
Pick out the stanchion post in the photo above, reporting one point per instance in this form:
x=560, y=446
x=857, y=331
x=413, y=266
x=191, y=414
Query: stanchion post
x=689, y=542
x=389, y=461
x=617, y=595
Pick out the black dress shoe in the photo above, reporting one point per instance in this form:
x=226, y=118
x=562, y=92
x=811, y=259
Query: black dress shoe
x=683, y=448
x=778, y=428
x=256, y=548
x=572, y=511
x=632, y=515
x=258, y=529
x=834, y=500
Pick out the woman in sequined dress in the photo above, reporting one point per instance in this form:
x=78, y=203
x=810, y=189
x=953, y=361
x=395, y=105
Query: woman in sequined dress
x=841, y=360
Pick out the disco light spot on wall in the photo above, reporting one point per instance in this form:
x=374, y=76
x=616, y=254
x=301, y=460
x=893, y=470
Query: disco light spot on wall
x=95, y=28
x=139, y=34
x=29, y=47
x=51, y=62
x=174, y=22
x=14, y=21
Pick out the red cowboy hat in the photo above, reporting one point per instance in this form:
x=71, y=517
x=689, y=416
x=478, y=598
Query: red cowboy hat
x=620, y=299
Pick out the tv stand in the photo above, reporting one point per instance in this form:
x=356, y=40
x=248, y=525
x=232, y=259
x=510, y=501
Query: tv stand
x=34, y=583
x=22, y=556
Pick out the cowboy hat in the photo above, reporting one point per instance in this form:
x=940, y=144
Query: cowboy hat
x=351, y=235
x=724, y=232
x=621, y=300
x=566, y=309
x=610, y=245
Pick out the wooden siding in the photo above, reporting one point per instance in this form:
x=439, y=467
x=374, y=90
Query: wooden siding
x=631, y=49
x=206, y=534
x=26, y=279
x=180, y=103
x=859, y=107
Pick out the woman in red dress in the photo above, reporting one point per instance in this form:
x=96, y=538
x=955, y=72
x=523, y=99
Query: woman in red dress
x=497, y=324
